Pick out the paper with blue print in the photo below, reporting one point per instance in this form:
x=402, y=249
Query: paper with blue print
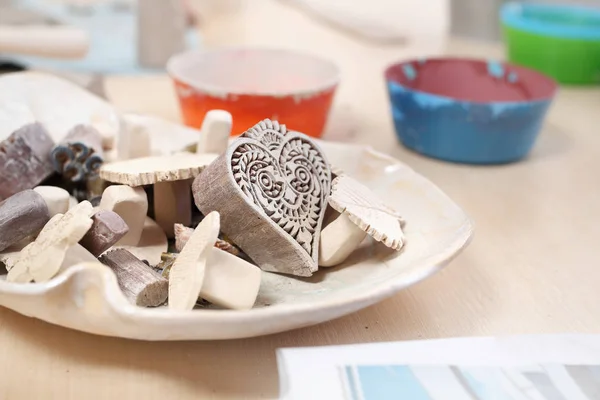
x=537, y=382
x=535, y=367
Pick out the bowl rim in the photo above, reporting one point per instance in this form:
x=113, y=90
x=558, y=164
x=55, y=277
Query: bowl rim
x=217, y=91
x=511, y=15
x=399, y=64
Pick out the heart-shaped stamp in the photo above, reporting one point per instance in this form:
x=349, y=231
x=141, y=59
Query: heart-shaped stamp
x=271, y=188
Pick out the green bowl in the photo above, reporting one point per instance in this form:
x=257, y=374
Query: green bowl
x=558, y=40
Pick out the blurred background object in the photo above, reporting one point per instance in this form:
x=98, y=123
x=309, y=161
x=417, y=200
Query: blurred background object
x=562, y=41
x=383, y=20
x=380, y=20
x=125, y=36
x=479, y=19
x=253, y=84
x=468, y=110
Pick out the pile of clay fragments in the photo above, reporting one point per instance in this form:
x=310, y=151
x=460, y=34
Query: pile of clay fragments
x=184, y=229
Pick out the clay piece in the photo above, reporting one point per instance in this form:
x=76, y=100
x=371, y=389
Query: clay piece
x=56, y=198
x=172, y=178
x=21, y=215
x=215, y=132
x=133, y=141
x=338, y=240
x=41, y=260
x=274, y=182
x=361, y=210
x=131, y=204
x=79, y=155
x=141, y=285
x=229, y=281
x=107, y=229
x=187, y=272
x=25, y=159
x=183, y=233
x=152, y=244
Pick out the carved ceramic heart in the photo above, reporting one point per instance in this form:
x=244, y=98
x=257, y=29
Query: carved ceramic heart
x=283, y=180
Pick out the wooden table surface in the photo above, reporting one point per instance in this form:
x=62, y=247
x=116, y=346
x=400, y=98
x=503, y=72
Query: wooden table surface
x=533, y=266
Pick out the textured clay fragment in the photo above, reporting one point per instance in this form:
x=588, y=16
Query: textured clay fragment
x=107, y=229
x=25, y=159
x=21, y=215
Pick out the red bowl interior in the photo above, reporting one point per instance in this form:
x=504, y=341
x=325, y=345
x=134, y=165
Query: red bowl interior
x=472, y=80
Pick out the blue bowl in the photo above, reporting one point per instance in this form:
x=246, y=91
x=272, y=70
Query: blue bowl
x=466, y=110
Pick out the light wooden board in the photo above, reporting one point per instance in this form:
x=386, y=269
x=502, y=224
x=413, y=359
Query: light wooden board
x=150, y=170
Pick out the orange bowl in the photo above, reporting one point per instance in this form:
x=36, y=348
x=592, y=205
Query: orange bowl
x=253, y=84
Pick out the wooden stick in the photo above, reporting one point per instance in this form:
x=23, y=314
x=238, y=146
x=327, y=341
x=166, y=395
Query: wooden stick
x=21, y=215
x=173, y=203
x=183, y=234
x=107, y=229
x=141, y=284
x=25, y=159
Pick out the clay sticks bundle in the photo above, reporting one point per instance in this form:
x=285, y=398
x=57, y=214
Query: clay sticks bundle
x=79, y=156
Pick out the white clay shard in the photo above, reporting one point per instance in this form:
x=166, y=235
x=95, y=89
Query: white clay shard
x=133, y=141
x=215, y=132
x=357, y=205
x=41, y=260
x=367, y=211
x=131, y=204
x=338, y=240
x=229, y=281
x=57, y=199
x=187, y=273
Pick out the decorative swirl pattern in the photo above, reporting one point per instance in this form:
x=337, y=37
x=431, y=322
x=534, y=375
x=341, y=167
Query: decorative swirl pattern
x=286, y=176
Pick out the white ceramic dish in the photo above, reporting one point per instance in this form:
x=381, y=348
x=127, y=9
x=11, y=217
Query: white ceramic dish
x=87, y=297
